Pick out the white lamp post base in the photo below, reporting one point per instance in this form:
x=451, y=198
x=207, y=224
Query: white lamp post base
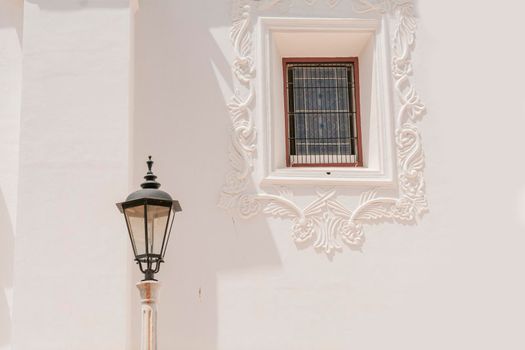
x=149, y=291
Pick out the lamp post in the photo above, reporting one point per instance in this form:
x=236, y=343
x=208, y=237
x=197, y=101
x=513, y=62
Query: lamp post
x=149, y=214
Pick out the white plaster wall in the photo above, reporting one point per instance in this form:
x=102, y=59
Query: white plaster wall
x=452, y=282
x=10, y=90
x=70, y=267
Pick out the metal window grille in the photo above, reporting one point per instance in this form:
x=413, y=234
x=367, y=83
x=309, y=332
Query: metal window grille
x=322, y=113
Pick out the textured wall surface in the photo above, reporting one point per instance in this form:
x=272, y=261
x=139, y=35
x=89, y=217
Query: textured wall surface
x=68, y=148
x=10, y=90
x=70, y=265
x=453, y=281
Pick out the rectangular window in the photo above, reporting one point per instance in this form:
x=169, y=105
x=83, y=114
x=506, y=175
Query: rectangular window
x=322, y=112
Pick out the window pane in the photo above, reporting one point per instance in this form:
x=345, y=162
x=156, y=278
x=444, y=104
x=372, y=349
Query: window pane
x=322, y=113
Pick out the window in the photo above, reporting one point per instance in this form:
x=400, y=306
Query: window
x=366, y=39
x=322, y=112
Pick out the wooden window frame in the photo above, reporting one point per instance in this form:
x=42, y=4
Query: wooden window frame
x=355, y=65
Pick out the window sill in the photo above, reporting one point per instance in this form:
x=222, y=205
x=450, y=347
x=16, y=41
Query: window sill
x=327, y=176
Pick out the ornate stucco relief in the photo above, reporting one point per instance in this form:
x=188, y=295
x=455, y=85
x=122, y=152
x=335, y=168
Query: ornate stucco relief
x=326, y=224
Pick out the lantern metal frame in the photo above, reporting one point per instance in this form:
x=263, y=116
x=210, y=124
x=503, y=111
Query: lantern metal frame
x=149, y=195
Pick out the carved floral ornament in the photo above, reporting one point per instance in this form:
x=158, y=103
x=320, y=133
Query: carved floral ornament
x=326, y=224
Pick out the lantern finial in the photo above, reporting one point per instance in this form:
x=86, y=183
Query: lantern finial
x=150, y=164
x=150, y=177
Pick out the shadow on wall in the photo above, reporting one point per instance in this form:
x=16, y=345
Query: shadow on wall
x=182, y=119
x=75, y=5
x=11, y=16
x=6, y=270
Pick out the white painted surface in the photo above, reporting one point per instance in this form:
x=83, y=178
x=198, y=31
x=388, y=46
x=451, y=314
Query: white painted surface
x=10, y=90
x=71, y=284
x=149, y=293
x=452, y=282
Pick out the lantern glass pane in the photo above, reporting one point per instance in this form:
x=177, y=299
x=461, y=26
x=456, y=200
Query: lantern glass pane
x=135, y=217
x=157, y=222
x=168, y=233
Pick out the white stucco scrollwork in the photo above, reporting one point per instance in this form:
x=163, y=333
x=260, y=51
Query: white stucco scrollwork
x=326, y=224
x=243, y=134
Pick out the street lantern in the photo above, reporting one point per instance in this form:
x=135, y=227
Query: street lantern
x=149, y=214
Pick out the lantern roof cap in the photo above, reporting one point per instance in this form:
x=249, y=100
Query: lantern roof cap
x=149, y=193
x=150, y=189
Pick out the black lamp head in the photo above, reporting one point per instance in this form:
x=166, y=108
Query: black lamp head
x=149, y=214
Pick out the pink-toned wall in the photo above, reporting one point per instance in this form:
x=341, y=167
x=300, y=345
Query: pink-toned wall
x=68, y=148
x=453, y=281
x=70, y=279
x=10, y=92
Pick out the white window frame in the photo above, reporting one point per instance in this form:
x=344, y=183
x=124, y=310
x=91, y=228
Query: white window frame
x=314, y=37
